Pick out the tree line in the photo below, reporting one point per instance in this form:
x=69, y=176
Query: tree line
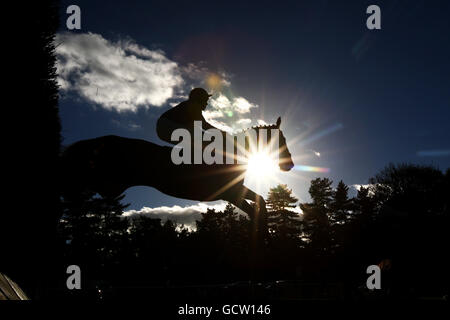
x=398, y=221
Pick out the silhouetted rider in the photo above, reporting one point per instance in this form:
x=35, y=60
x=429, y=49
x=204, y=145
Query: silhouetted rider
x=184, y=115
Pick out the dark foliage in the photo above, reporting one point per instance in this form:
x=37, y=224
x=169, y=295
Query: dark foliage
x=332, y=242
x=32, y=140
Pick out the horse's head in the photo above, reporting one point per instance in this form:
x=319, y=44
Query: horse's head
x=284, y=159
x=284, y=156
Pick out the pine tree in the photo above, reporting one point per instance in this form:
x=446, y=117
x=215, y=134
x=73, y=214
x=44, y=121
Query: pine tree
x=364, y=206
x=95, y=233
x=322, y=196
x=341, y=205
x=283, y=223
x=224, y=239
x=280, y=198
x=316, y=214
x=225, y=225
x=321, y=192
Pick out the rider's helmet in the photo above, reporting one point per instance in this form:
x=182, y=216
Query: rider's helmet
x=199, y=94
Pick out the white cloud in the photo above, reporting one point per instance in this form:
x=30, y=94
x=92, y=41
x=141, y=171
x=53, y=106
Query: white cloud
x=297, y=210
x=229, y=112
x=205, y=78
x=369, y=186
x=183, y=215
x=212, y=114
x=244, y=121
x=125, y=76
x=239, y=104
x=220, y=102
x=261, y=122
x=220, y=125
x=121, y=76
x=126, y=125
x=359, y=186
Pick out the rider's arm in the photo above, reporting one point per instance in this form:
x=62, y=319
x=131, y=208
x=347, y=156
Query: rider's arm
x=206, y=125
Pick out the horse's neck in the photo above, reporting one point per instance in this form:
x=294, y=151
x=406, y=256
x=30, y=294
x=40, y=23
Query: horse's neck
x=260, y=141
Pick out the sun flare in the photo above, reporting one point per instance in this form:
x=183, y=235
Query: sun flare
x=262, y=166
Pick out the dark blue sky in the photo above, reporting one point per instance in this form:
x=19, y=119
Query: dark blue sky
x=313, y=62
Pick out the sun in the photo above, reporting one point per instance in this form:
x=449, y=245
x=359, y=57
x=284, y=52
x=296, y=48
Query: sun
x=261, y=166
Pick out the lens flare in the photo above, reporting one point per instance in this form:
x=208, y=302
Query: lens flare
x=214, y=81
x=433, y=153
x=322, y=133
x=311, y=169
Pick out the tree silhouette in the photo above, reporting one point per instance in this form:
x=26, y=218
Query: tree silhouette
x=341, y=205
x=32, y=258
x=364, y=207
x=95, y=234
x=412, y=212
x=280, y=198
x=282, y=222
x=227, y=233
x=343, y=236
x=316, y=214
x=285, y=229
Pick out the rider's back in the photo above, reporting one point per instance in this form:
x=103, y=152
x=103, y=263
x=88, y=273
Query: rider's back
x=180, y=116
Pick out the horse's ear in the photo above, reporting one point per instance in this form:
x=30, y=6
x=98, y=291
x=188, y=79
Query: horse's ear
x=278, y=122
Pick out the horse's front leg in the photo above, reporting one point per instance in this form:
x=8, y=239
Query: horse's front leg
x=242, y=204
x=258, y=199
x=257, y=215
x=258, y=221
x=246, y=193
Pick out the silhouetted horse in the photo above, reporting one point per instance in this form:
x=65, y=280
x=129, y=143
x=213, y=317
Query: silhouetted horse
x=109, y=165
